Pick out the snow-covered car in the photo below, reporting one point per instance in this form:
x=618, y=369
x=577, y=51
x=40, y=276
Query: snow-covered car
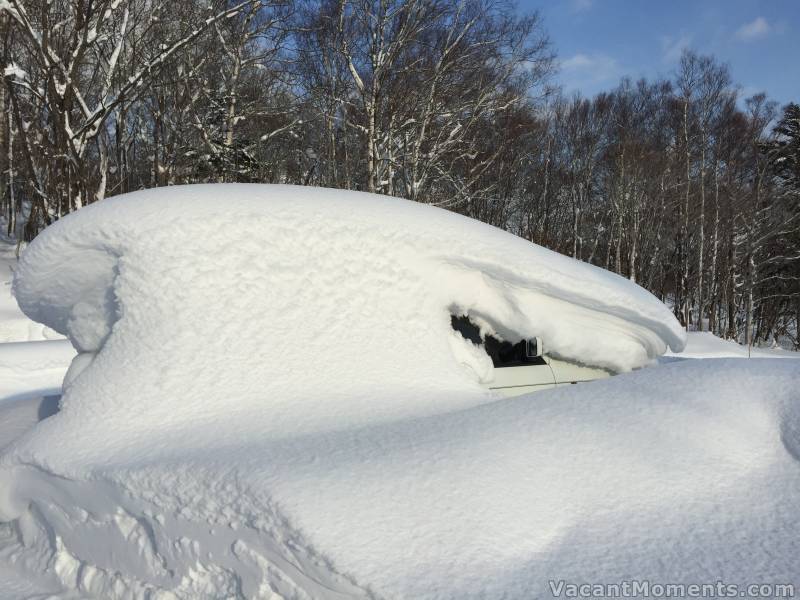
x=270, y=399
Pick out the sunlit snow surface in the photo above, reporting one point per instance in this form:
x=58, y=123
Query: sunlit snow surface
x=14, y=326
x=276, y=310
x=270, y=402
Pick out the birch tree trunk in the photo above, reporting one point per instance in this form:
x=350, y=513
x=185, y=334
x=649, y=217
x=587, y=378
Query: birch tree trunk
x=701, y=230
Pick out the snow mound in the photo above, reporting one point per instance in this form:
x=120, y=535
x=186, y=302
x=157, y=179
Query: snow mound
x=233, y=338
x=295, y=294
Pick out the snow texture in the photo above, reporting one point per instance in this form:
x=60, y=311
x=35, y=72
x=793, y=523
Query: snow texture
x=345, y=297
x=15, y=326
x=33, y=368
x=703, y=344
x=13, y=71
x=484, y=269
x=269, y=401
x=685, y=472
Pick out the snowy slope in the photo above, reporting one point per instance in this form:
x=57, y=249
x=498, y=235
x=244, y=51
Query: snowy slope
x=685, y=472
x=270, y=402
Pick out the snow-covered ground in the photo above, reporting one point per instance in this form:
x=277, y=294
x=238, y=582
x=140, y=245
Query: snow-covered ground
x=270, y=403
x=676, y=473
x=34, y=368
x=702, y=344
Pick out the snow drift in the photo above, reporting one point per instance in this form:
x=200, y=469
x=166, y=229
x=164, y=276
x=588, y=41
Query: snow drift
x=269, y=398
x=682, y=473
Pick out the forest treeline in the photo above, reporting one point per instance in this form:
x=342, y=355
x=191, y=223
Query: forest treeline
x=679, y=184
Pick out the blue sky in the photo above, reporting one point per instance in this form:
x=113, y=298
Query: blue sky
x=599, y=41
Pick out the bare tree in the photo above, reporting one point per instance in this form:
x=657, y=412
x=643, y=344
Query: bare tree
x=677, y=185
x=69, y=90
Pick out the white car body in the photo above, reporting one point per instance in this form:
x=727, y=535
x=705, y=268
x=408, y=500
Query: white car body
x=514, y=381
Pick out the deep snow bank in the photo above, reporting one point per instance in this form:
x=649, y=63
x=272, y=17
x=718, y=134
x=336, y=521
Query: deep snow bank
x=682, y=473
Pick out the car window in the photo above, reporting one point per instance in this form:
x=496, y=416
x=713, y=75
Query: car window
x=503, y=353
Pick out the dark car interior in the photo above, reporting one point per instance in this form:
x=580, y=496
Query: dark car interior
x=502, y=353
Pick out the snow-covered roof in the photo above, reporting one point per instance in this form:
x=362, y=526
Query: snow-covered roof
x=346, y=248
